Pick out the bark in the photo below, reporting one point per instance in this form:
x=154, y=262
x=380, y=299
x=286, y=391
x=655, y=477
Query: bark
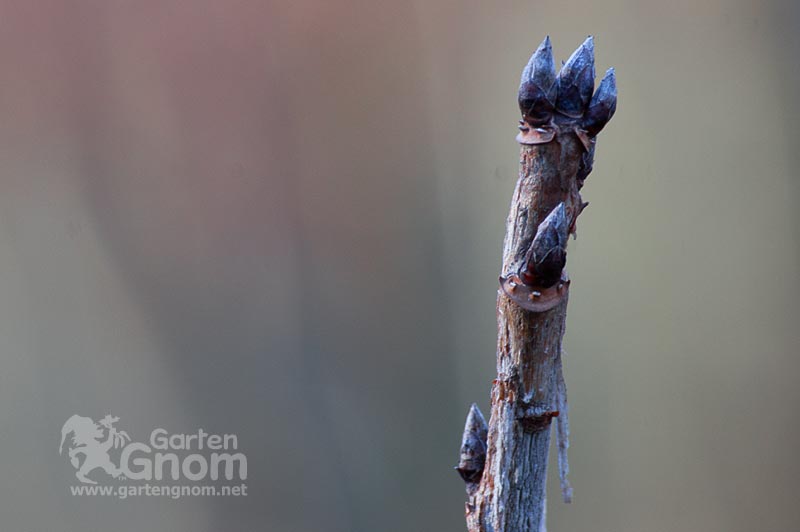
x=560, y=121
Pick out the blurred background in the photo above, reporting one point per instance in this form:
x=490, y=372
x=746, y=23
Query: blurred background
x=284, y=220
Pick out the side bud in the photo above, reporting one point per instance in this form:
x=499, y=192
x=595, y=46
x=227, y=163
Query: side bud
x=473, y=447
x=603, y=104
x=547, y=255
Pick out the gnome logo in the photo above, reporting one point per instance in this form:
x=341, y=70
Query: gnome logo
x=90, y=445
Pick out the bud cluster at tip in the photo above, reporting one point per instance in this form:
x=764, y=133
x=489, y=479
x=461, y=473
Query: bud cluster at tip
x=542, y=93
x=472, y=457
x=547, y=254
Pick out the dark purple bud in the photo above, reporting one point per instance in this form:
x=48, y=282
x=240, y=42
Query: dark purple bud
x=473, y=446
x=547, y=255
x=603, y=104
x=535, y=106
x=538, y=87
x=541, y=70
x=576, y=81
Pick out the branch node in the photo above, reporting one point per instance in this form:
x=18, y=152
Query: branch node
x=523, y=295
x=534, y=417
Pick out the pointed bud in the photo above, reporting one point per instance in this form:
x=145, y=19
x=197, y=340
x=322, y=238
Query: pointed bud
x=473, y=446
x=547, y=255
x=576, y=81
x=603, y=104
x=538, y=87
x=541, y=69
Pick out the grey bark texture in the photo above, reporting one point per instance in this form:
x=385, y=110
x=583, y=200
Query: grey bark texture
x=560, y=121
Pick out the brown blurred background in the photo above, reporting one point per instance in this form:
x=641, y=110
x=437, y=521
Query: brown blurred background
x=284, y=220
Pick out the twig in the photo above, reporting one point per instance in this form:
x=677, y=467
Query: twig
x=560, y=120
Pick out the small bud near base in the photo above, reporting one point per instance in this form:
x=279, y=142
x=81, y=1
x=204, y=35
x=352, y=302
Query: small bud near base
x=472, y=457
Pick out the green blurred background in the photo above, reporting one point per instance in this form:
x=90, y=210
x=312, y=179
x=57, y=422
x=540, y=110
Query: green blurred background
x=284, y=220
